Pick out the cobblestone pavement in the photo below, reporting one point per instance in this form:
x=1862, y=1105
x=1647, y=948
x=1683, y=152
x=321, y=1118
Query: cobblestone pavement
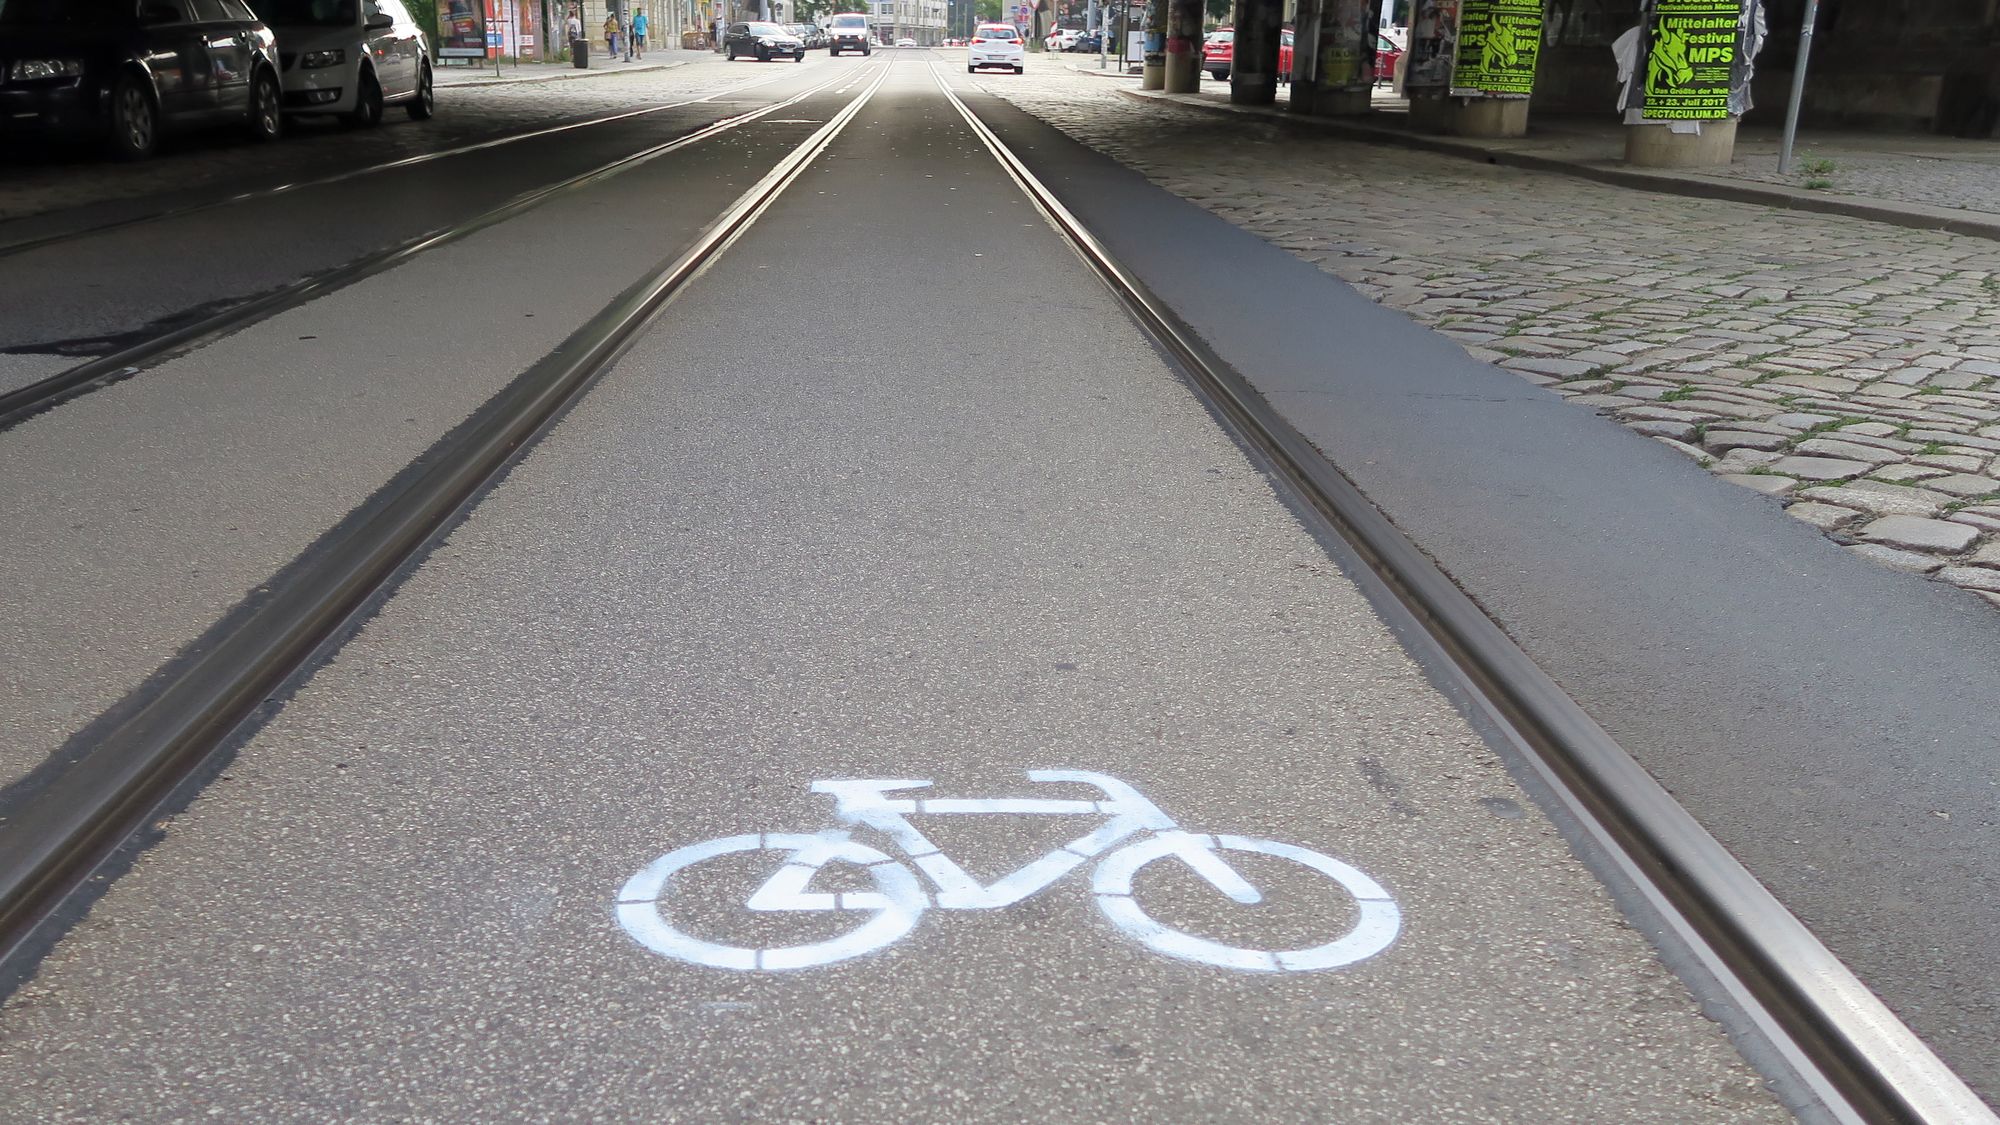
x=32, y=182
x=1953, y=173
x=1849, y=369
x=1935, y=171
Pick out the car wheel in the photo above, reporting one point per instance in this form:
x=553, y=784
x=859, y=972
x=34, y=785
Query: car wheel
x=424, y=104
x=800, y=57
x=1020, y=70
x=833, y=52
x=866, y=51
x=970, y=69
x=367, y=102
x=266, y=108
x=135, y=119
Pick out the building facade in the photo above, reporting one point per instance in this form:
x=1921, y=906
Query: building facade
x=921, y=20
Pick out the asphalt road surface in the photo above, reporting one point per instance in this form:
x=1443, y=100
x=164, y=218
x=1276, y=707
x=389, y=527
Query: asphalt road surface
x=854, y=508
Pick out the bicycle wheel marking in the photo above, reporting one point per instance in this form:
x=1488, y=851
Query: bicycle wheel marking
x=1380, y=918
x=1138, y=833
x=897, y=902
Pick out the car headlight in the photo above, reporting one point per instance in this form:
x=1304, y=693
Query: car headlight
x=313, y=60
x=30, y=70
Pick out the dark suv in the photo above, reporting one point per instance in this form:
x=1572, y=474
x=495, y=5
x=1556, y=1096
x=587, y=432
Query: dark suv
x=848, y=32
x=124, y=71
x=763, y=41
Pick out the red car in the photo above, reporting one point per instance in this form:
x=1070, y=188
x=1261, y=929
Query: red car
x=1387, y=54
x=1220, y=47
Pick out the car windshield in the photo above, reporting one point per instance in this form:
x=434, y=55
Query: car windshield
x=850, y=21
x=59, y=13
x=307, y=13
x=766, y=29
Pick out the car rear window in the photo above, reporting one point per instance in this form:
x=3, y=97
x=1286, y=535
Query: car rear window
x=308, y=13
x=994, y=33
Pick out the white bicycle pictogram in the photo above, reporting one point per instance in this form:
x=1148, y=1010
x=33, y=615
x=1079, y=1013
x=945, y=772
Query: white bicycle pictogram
x=899, y=897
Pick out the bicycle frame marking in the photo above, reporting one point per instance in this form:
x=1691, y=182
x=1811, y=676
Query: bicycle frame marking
x=899, y=899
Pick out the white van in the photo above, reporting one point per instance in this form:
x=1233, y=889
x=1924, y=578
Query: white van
x=351, y=58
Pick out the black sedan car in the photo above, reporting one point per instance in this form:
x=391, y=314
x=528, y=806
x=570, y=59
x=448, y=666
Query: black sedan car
x=763, y=42
x=124, y=71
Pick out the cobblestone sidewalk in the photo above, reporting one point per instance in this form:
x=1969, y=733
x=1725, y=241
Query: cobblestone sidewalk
x=1849, y=369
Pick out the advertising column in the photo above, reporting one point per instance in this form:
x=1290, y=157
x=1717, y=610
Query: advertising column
x=1433, y=50
x=1691, y=59
x=1471, y=66
x=1153, y=76
x=1498, y=42
x=462, y=29
x=1687, y=70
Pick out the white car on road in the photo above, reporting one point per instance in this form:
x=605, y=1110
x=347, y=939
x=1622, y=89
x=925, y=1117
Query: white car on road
x=995, y=44
x=351, y=57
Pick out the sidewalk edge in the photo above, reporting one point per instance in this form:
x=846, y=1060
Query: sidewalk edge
x=572, y=73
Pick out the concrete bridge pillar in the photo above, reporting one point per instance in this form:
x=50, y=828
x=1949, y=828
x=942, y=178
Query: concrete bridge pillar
x=1253, y=72
x=1333, y=65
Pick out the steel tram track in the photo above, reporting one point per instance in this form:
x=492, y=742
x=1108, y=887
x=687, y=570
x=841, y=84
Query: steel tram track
x=37, y=242
x=83, y=809
x=92, y=374
x=1843, y=1042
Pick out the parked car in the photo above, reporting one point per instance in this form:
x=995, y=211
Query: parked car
x=848, y=32
x=906, y=42
x=1086, y=43
x=1218, y=51
x=995, y=44
x=1387, y=54
x=352, y=58
x=811, y=36
x=1061, y=38
x=763, y=42
x=123, y=72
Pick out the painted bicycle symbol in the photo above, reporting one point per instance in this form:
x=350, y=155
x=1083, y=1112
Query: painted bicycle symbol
x=1136, y=834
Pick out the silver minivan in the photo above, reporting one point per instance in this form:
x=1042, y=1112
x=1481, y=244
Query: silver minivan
x=352, y=58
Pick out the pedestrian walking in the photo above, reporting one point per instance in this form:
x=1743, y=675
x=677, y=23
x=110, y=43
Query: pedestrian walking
x=611, y=36
x=573, y=26
x=639, y=26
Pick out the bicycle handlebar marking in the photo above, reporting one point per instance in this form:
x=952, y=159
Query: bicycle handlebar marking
x=900, y=899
